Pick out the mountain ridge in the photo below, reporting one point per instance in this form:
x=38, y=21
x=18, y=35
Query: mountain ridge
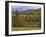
x=28, y=11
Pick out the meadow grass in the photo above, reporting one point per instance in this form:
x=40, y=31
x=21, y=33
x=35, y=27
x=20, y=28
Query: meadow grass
x=24, y=28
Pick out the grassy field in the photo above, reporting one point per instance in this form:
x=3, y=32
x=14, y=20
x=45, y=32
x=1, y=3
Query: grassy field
x=24, y=28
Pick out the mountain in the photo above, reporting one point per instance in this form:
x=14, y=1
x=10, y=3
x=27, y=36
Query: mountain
x=28, y=11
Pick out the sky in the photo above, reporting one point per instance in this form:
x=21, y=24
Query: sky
x=22, y=8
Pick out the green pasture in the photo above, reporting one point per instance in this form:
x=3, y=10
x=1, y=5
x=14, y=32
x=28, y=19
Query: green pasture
x=24, y=28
